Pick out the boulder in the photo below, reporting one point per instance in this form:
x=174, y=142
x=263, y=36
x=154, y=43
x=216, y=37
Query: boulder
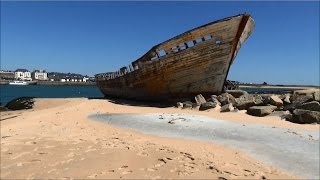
x=236, y=93
x=275, y=100
x=20, y=103
x=200, y=99
x=286, y=99
x=3, y=108
x=226, y=98
x=227, y=108
x=279, y=113
x=246, y=101
x=287, y=115
x=265, y=98
x=207, y=105
x=261, y=110
x=305, y=91
x=187, y=105
x=214, y=98
x=297, y=100
x=316, y=96
x=312, y=106
x=305, y=116
x=179, y=105
x=195, y=106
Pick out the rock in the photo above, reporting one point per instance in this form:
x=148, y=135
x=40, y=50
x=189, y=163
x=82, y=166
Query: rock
x=287, y=116
x=305, y=116
x=226, y=98
x=187, y=105
x=286, y=99
x=312, y=106
x=214, y=98
x=20, y=103
x=179, y=105
x=315, y=93
x=275, y=100
x=305, y=91
x=3, y=108
x=207, y=105
x=195, y=106
x=236, y=93
x=261, y=110
x=297, y=100
x=227, y=108
x=265, y=99
x=199, y=99
x=316, y=96
x=246, y=101
x=282, y=114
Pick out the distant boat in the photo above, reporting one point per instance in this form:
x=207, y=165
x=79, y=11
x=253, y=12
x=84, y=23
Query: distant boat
x=19, y=83
x=22, y=83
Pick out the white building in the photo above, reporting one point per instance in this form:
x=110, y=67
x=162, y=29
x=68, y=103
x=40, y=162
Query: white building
x=85, y=79
x=40, y=75
x=22, y=74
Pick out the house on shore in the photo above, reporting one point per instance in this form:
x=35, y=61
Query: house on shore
x=40, y=75
x=6, y=75
x=22, y=74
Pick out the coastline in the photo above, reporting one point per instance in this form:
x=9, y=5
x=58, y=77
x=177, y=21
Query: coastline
x=54, y=83
x=57, y=136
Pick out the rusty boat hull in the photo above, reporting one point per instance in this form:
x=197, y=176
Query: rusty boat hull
x=195, y=62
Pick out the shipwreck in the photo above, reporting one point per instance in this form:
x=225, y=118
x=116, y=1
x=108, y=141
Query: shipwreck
x=194, y=62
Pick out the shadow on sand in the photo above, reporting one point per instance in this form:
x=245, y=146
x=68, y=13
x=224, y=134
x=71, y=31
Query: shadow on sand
x=132, y=102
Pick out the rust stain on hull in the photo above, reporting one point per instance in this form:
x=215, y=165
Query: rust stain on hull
x=195, y=62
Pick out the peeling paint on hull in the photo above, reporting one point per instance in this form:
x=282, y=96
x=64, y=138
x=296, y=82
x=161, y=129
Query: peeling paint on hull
x=195, y=62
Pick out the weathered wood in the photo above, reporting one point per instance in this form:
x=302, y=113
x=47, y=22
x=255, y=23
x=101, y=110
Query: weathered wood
x=183, y=71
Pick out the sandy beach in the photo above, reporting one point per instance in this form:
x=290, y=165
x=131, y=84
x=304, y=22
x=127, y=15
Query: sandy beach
x=56, y=139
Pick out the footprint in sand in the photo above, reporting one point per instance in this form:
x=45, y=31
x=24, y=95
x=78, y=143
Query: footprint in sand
x=52, y=170
x=4, y=149
x=20, y=155
x=19, y=164
x=30, y=143
x=35, y=161
x=157, y=177
x=92, y=176
x=122, y=167
x=70, y=154
x=152, y=169
x=142, y=153
x=47, y=147
x=90, y=150
x=69, y=160
x=126, y=172
x=162, y=162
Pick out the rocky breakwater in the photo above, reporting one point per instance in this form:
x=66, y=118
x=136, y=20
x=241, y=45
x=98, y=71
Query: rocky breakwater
x=301, y=106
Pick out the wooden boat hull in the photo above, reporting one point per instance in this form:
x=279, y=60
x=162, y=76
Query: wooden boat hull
x=200, y=69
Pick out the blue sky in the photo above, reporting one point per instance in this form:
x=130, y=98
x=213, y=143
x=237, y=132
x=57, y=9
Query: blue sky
x=94, y=37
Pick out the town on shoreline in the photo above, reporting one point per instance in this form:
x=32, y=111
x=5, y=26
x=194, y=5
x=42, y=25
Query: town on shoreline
x=42, y=77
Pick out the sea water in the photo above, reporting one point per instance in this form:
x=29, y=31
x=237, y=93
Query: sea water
x=10, y=92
